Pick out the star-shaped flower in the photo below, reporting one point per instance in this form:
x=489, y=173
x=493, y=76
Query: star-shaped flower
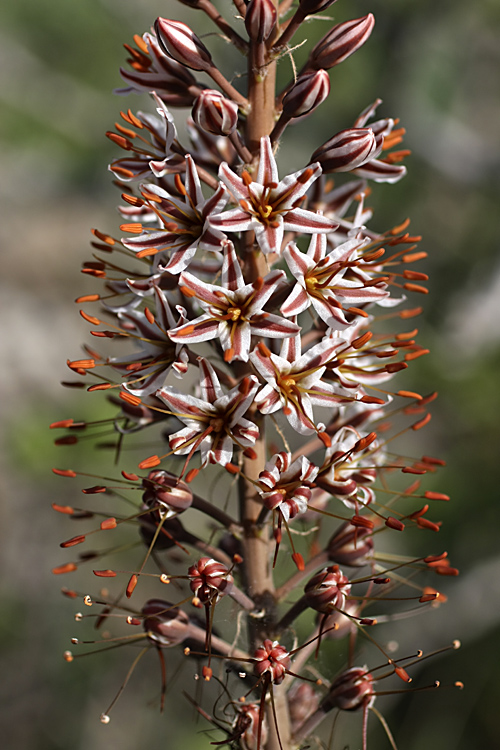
x=234, y=311
x=294, y=381
x=214, y=422
x=148, y=368
x=323, y=282
x=185, y=222
x=268, y=206
x=286, y=485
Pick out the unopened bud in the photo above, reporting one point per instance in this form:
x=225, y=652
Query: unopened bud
x=310, y=90
x=168, y=491
x=341, y=41
x=178, y=41
x=214, y=113
x=347, y=150
x=308, y=7
x=260, y=19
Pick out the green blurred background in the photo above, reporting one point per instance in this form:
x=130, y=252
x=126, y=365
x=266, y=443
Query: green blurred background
x=437, y=67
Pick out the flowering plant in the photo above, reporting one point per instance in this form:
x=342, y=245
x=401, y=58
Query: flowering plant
x=266, y=368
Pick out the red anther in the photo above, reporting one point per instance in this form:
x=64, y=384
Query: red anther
x=108, y=523
x=409, y=394
x=435, y=495
x=298, y=560
x=232, y=468
x=433, y=461
x=412, y=313
x=357, y=311
x=73, y=541
x=413, y=487
x=87, y=298
x=402, y=673
x=237, y=559
x=104, y=573
x=372, y=400
x=244, y=386
x=415, y=275
x=421, y=512
x=361, y=522
x=427, y=400
x=362, y=340
x=415, y=288
x=150, y=462
x=412, y=470
x=134, y=228
x=375, y=255
x=80, y=364
x=63, y=424
x=431, y=559
x=428, y=598
x=413, y=257
x=94, y=490
x=395, y=366
x=64, y=472
x=69, y=593
x=422, y=422
x=67, y=509
x=367, y=621
x=90, y=318
x=410, y=356
x=99, y=387
x=325, y=439
x=67, y=568
x=424, y=523
x=364, y=442
x=129, y=398
x=394, y=523
x=103, y=237
x=400, y=228
x=207, y=673
x=250, y=453
x=129, y=476
x=66, y=440
x=381, y=580
x=131, y=585
x=192, y=473
x=149, y=315
x=445, y=570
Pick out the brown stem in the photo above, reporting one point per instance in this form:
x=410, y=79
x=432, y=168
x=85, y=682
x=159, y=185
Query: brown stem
x=223, y=25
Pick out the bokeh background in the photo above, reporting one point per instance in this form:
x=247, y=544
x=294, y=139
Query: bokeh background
x=437, y=67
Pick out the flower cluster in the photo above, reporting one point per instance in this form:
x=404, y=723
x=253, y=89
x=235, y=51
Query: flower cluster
x=249, y=300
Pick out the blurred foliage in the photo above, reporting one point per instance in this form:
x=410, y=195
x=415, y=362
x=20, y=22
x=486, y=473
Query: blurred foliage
x=437, y=67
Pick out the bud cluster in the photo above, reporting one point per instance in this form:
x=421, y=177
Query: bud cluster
x=250, y=299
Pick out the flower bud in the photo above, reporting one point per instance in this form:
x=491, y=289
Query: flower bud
x=168, y=491
x=273, y=659
x=340, y=42
x=260, y=19
x=209, y=580
x=250, y=726
x=178, y=41
x=214, y=113
x=303, y=701
x=327, y=590
x=308, y=7
x=347, y=150
x=351, y=546
x=165, y=624
x=353, y=689
x=310, y=90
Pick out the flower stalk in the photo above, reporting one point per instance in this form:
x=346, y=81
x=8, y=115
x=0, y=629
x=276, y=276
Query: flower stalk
x=250, y=305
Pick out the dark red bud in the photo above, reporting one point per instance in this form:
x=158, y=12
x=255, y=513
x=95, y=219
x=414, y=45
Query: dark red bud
x=178, y=41
x=347, y=150
x=214, y=113
x=260, y=19
x=310, y=90
x=309, y=7
x=351, y=691
x=341, y=41
x=165, y=624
